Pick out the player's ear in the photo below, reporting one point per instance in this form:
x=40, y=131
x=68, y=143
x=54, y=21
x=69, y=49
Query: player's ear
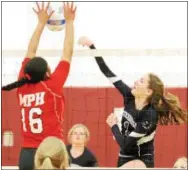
x=48, y=74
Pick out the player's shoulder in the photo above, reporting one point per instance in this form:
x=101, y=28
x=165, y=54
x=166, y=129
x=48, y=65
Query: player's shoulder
x=50, y=86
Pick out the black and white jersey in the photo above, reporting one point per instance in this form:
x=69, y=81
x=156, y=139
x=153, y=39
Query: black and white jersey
x=137, y=126
x=87, y=159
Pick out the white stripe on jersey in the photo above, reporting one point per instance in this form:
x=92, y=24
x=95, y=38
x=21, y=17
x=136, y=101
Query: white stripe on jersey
x=113, y=79
x=125, y=156
x=136, y=135
x=146, y=139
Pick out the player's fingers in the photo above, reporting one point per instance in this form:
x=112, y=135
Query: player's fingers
x=42, y=5
x=65, y=6
x=72, y=5
x=38, y=7
x=74, y=10
x=35, y=10
x=48, y=5
x=51, y=13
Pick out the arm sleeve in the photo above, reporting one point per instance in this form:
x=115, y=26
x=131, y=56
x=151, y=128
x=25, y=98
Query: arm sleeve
x=147, y=124
x=60, y=74
x=124, y=89
x=24, y=62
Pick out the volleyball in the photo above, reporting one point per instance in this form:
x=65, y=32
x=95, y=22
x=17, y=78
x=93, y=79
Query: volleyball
x=57, y=20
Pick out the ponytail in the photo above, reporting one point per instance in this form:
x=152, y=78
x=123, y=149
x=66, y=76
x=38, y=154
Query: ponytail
x=16, y=84
x=47, y=164
x=170, y=111
x=167, y=106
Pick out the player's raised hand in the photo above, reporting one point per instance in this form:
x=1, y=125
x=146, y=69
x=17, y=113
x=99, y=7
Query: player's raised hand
x=111, y=120
x=85, y=41
x=42, y=12
x=69, y=11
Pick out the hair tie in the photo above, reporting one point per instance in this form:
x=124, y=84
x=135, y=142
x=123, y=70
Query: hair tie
x=28, y=76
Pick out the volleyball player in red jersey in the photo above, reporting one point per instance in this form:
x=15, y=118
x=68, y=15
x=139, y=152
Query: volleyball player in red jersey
x=40, y=92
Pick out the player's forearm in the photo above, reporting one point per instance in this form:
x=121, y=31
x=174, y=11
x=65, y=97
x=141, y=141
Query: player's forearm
x=68, y=42
x=124, y=142
x=102, y=65
x=118, y=136
x=34, y=42
x=117, y=82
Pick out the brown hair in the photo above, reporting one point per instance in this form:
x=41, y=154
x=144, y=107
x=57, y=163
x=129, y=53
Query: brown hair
x=167, y=105
x=51, y=154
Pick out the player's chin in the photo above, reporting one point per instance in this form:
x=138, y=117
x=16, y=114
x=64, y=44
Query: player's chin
x=78, y=141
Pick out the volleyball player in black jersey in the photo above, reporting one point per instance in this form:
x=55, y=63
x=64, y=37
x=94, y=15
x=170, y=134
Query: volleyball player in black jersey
x=144, y=105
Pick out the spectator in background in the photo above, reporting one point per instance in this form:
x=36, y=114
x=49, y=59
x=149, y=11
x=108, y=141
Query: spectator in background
x=80, y=155
x=51, y=154
x=181, y=163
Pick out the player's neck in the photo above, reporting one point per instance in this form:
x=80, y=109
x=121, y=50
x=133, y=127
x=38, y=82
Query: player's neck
x=77, y=147
x=77, y=151
x=140, y=103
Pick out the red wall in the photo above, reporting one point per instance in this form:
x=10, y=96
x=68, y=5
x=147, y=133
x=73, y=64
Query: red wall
x=91, y=107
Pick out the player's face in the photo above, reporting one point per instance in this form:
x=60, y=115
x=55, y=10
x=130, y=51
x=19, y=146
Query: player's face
x=141, y=87
x=78, y=136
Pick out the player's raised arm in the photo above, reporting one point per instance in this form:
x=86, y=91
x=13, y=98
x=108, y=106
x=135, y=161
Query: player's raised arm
x=43, y=17
x=69, y=14
x=117, y=82
x=62, y=70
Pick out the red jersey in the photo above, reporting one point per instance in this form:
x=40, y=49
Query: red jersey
x=42, y=106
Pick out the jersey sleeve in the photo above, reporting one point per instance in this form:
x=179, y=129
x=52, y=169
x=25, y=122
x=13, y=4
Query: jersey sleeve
x=144, y=132
x=124, y=89
x=21, y=73
x=60, y=74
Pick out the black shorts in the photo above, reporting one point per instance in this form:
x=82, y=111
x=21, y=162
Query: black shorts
x=26, y=159
x=147, y=159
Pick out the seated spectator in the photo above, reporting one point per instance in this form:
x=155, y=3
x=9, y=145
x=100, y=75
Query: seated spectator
x=80, y=155
x=51, y=154
x=134, y=164
x=181, y=163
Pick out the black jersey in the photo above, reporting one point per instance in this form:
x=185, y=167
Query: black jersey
x=87, y=159
x=137, y=126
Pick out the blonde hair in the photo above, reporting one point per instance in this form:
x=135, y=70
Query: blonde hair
x=51, y=154
x=181, y=162
x=87, y=133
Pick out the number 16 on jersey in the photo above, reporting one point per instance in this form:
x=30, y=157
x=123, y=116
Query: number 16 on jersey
x=35, y=124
